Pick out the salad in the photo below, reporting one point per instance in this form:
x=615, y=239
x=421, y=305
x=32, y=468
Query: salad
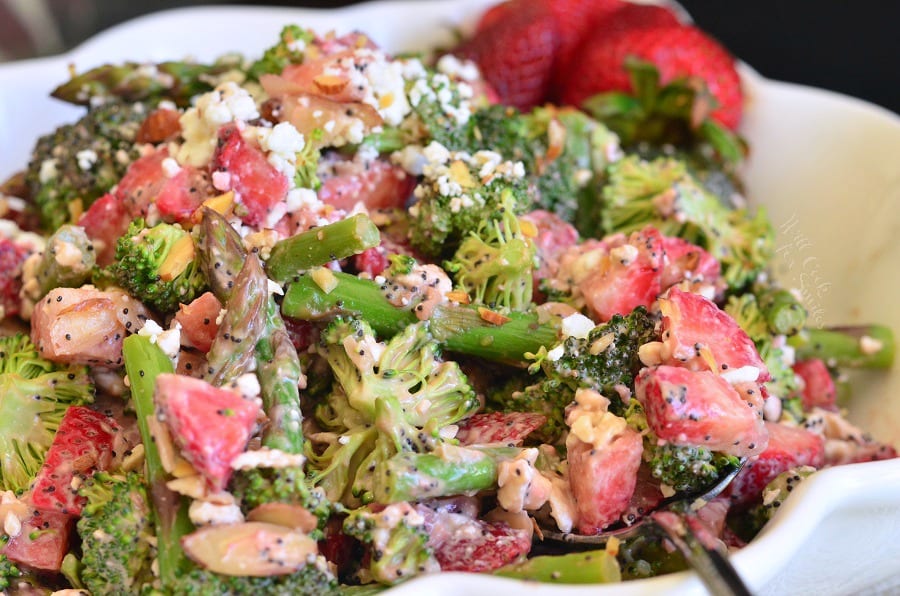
x=327, y=319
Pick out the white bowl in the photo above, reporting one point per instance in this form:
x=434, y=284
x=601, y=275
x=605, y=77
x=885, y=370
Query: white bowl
x=826, y=166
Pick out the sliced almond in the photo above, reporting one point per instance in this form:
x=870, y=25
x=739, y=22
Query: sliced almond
x=255, y=549
x=458, y=296
x=285, y=514
x=325, y=279
x=178, y=259
x=492, y=316
x=164, y=445
x=330, y=84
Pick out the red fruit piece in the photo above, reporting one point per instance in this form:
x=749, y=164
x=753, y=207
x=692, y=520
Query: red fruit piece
x=474, y=545
x=303, y=334
x=177, y=191
x=42, y=542
x=371, y=261
x=258, y=184
x=624, y=16
x=494, y=14
x=209, y=424
x=678, y=52
x=554, y=236
x=788, y=448
x=377, y=185
x=575, y=20
x=198, y=321
x=510, y=428
x=104, y=221
x=603, y=481
x=516, y=54
x=11, y=258
x=818, y=386
x=83, y=444
x=688, y=407
x=686, y=261
x=627, y=278
x=699, y=335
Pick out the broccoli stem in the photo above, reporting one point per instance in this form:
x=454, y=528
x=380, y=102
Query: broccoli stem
x=783, y=312
x=319, y=246
x=412, y=476
x=459, y=328
x=144, y=361
x=862, y=346
x=591, y=567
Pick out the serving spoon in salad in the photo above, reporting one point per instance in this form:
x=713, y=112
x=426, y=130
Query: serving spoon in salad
x=669, y=519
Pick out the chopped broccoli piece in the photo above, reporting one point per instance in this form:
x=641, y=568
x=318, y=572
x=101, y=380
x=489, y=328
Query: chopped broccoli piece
x=688, y=468
x=456, y=197
x=159, y=265
x=77, y=163
x=397, y=541
x=34, y=396
x=387, y=398
x=311, y=579
x=663, y=194
x=9, y=573
x=494, y=264
x=256, y=486
x=116, y=531
x=290, y=48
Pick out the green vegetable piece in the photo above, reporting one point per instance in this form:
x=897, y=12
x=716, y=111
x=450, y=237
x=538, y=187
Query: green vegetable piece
x=34, y=396
x=65, y=263
x=861, y=346
x=592, y=567
x=782, y=311
x=222, y=253
x=289, y=50
x=319, y=246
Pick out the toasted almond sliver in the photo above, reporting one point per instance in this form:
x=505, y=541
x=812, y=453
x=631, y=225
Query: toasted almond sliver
x=492, y=316
x=458, y=296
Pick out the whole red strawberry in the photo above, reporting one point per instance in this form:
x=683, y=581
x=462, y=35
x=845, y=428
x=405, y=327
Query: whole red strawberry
x=677, y=52
x=515, y=52
x=574, y=20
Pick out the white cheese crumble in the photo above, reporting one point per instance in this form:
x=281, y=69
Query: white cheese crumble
x=520, y=486
x=200, y=124
x=576, y=325
x=267, y=458
x=744, y=374
x=168, y=340
x=86, y=159
x=204, y=513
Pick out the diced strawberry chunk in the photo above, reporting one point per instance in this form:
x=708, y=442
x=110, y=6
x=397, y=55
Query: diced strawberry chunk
x=603, y=481
x=474, y=545
x=818, y=386
x=686, y=261
x=788, y=448
x=42, y=542
x=11, y=258
x=699, y=335
x=104, y=221
x=372, y=261
x=198, y=321
x=183, y=194
x=628, y=277
x=303, y=334
x=688, y=407
x=259, y=185
x=83, y=444
x=209, y=424
x=376, y=184
x=554, y=236
x=510, y=428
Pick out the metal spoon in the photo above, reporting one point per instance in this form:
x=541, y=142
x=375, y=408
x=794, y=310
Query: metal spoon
x=669, y=519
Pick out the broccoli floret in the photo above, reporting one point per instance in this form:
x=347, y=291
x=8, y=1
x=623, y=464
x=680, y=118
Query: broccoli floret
x=116, y=533
x=159, y=265
x=663, y=194
x=34, y=396
x=387, y=398
x=9, y=573
x=397, y=541
x=493, y=265
x=256, y=486
x=456, y=197
x=313, y=579
x=77, y=163
x=290, y=48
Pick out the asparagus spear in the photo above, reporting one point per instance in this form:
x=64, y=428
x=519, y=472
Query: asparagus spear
x=783, y=312
x=460, y=328
x=592, y=567
x=144, y=361
x=863, y=346
x=222, y=253
x=133, y=81
x=319, y=246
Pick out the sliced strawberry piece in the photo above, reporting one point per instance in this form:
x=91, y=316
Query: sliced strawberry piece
x=183, y=194
x=11, y=258
x=105, y=220
x=679, y=52
x=257, y=182
x=461, y=543
x=788, y=448
x=303, y=334
x=160, y=125
x=553, y=237
x=688, y=262
x=510, y=428
x=688, y=407
x=142, y=182
x=818, y=386
x=372, y=261
x=83, y=444
x=209, y=424
x=198, y=321
x=516, y=54
x=699, y=335
x=376, y=184
x=43, y=541
x=627, y=278
x=603, y=481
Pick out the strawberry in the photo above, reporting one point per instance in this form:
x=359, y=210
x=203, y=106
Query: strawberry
x=624, y=16
x=43, y=541
x=11, y=258
x=788, y=448
x=105, y=220
x=818, y=386
x=461, y=543
x=676, y=51
x=495, y=14
x=510, y=428
x=516, y=54
x=198, y=321
x=574, y=20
